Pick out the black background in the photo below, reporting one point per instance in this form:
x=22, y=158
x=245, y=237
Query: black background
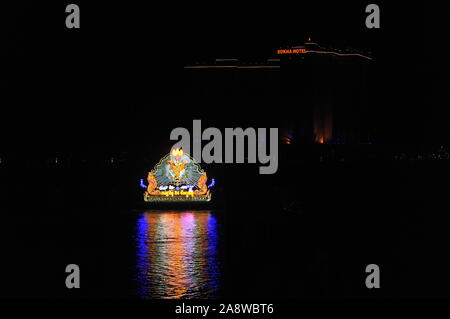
x=105, y=88
x=104, y=81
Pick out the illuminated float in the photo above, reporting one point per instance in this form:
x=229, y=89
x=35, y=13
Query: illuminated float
x=177, y=178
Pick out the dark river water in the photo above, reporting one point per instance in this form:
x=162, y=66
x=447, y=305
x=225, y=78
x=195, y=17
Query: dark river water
x=121, y=254
x=177, y=254
x=317, y=248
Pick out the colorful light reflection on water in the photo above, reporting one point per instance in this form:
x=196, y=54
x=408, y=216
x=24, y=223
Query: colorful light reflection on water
x=177, y=255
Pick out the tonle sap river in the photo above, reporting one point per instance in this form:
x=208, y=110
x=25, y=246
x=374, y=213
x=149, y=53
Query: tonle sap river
x=121, y=254
x=177, y=255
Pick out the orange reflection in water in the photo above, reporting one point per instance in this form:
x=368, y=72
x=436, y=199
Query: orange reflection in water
x=177, y=255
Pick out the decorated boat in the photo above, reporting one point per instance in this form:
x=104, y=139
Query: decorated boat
x=177, y=178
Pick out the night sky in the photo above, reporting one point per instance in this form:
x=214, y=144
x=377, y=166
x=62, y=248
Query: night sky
x=106, y=83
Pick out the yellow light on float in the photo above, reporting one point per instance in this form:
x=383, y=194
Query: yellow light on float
x=177, y=152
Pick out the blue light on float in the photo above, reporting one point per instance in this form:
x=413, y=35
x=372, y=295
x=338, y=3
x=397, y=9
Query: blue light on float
x=142, y=184
x=213, y=182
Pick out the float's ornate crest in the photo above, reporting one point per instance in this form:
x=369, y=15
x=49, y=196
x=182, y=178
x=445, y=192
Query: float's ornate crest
x=177, y=177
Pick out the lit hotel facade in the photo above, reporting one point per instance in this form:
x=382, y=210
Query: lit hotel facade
x=327, y=88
